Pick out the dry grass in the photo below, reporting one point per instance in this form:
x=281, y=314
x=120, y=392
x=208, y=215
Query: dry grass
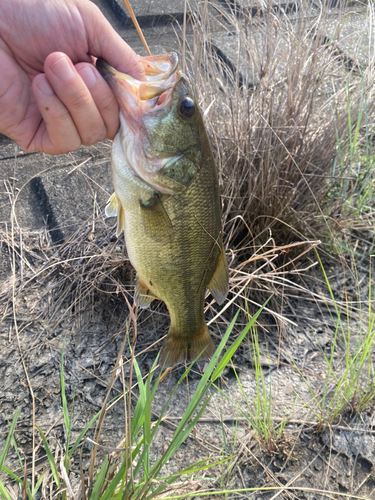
x=280, y=107
x=278, y=110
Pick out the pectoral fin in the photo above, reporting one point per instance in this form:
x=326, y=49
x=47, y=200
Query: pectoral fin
x=155, y=217
x=143, y=295
x=111, y=209
x=219, y=283
x=114, y=208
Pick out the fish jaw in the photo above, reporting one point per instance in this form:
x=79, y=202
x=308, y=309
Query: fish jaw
x=136, y=97
x=137, y=100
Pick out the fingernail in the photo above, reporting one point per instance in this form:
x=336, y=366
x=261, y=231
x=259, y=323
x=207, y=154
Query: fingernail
x=63, y=69
x=44, y=86
x=88, y=76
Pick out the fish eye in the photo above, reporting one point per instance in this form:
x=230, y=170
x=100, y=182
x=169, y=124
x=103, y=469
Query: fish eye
x=186, y=107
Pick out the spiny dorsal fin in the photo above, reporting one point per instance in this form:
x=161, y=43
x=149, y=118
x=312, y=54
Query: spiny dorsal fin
x=219, y=283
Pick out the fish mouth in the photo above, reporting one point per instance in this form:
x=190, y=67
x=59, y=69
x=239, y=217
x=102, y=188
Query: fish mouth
x=135, y=97
x=156, y=67
x=138, y=99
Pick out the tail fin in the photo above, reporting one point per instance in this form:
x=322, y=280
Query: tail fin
x=179, y=347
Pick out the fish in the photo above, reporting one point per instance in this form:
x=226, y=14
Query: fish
x=167, y=200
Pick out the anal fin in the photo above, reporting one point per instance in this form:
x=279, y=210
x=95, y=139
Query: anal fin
x=219, y=283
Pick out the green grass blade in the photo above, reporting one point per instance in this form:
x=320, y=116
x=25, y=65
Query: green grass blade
x=147, y=427
x=12, y=475
x=229, y=353
x=180, y=437
x=38, y=484
x=82, y=434
x=196, y=467
x=9, y=438
x=135, y=451
x=67, y=419
x=22, y=467
x=138, y=415
x=18, y=453
x=3, y=492
x=192, y=469
x=110, y=490
x=175, y=444
x=50, y=458
x=95, y=495
x=145, y=394
x=63, y=397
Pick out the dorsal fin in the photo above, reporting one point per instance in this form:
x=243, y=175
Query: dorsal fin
x=219, y=282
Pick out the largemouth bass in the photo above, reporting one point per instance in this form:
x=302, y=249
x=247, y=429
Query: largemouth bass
x=167, y=200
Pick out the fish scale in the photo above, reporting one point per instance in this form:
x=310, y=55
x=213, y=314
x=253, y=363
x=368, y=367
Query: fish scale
x=167, y=201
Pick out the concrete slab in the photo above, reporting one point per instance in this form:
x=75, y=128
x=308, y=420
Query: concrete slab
x=149, y=13
x=259, y=7
x=54, y=192
x=152, y=12
x=76, y=193
x=160, y=40
x=352, y=42
x=353, y=35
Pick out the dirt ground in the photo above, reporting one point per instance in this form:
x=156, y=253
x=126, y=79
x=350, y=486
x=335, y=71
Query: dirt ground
x=64, y=278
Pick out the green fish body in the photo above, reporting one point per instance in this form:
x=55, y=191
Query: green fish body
x=167, y=200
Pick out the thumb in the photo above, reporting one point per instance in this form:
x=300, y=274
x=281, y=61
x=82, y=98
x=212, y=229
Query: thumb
x=103, y=41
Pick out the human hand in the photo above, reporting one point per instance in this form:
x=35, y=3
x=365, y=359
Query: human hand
x=52, y=98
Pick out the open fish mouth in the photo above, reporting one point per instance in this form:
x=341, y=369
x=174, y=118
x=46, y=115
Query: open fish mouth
x=156, y=67
x=143, y=105
x=137, y=97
